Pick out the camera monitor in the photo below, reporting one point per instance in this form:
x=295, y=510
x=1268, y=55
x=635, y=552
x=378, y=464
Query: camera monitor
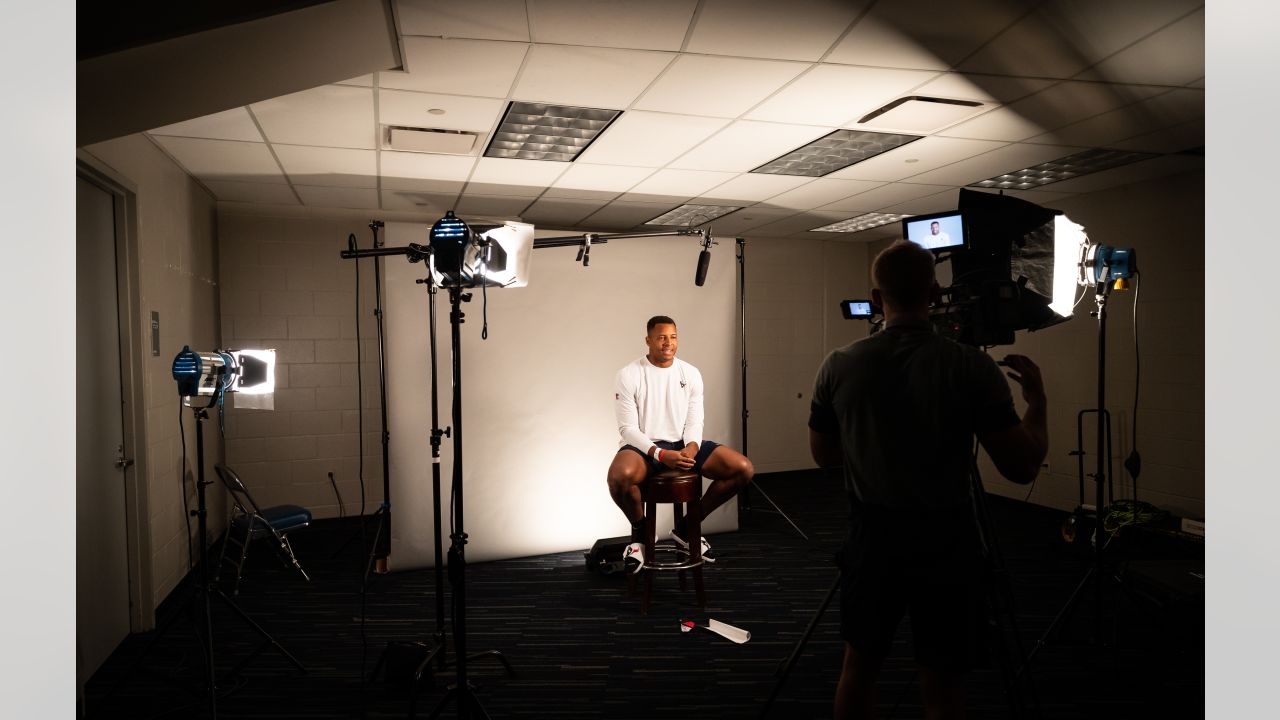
x=857, y=309
x=937, y=232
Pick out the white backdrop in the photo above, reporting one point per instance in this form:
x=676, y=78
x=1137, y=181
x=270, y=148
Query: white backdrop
x=539, y=430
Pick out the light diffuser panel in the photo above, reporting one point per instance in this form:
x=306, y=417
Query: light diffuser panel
x=833, y=152
x=537, y=131
x=690, y=215
x=1064, y=168
x=861, y=222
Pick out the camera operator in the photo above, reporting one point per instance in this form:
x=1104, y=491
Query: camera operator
x=899, y=411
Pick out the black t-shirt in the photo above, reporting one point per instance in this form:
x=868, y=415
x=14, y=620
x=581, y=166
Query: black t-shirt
x=906, y=404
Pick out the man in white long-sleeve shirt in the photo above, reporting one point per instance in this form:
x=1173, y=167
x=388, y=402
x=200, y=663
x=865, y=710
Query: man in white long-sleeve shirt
x=658, y=402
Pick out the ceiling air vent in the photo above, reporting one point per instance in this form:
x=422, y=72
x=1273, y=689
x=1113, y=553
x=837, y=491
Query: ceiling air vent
x=920, y=113
x=427, y=140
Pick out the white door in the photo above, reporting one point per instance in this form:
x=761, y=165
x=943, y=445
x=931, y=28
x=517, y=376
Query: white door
x=102, y=566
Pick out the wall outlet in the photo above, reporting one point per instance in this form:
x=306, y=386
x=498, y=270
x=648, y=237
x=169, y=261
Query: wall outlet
x=1193, y=527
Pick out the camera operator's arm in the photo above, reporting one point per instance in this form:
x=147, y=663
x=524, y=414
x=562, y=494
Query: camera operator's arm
x=824, y=428
x=1019, y=450
x=825, y=449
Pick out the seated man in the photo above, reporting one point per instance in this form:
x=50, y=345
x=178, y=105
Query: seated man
x=658, y=401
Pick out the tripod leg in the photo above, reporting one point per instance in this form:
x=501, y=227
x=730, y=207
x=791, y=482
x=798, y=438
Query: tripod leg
x=444, y=701
x=779, y=511
x=494, y=654
x=791, y=660
x=1057, y=621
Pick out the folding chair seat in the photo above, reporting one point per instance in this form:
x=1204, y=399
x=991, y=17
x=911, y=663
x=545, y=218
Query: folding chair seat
x=250, y=522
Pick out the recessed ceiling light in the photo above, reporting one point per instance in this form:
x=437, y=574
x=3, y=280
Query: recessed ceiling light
x=1064, y=168
x=912, y=160
x=834, y=151
x=690, y=215
x=436, y=111
x=537, y=131
x=861, y=222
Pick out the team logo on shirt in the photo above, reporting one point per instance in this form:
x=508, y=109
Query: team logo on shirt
x=682, y=384
x=617, y=396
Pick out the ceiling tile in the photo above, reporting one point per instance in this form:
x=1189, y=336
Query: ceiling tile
x=424, y=172
x=251, y=192
x=923, y=34
x=938, y=202
x=409, y=109
x=884, y=196
x=818, y=193
x=918, y=117
x=587, y=181
x=746, y=144
x=648, y=139
x=750, y=188
x=736, y=223
x=337, y=167
x=435, y=204
x=362, y=81
x=224, y=159
x=928, y=153
x=1170, y=140
x=675, y=183
x=990, y=164
x=559, y=212
x=717, y=86
x=459, y=67
x=793, y=30
x=338, y=197
x=510, y=176
x=233, y=124
x=588, y=76
x=649, y=25
x=330, y=115
x=499, y=206
x=982, y=88
x=1049, y=109
x=800, y=222
x=1172, y=108
x=488, y=20
x=1172, y=56
x=620, y=216
x=1043, y=198
x=837, y=94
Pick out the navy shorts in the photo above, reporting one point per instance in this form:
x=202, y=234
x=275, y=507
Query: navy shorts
x=705, y=448
x=929, y=569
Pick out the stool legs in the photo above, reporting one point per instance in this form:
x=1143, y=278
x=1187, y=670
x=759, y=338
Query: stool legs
x=650, y=552
x=695, y=548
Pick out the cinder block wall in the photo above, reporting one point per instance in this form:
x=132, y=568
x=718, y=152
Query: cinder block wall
x=284, y=286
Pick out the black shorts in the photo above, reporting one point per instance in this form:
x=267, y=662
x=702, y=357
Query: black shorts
x=705, y=448
x=897, y=563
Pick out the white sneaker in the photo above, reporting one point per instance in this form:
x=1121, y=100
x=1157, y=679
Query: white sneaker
x=706, y=546
x=633, y=558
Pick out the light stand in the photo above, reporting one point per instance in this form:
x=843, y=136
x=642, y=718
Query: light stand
x=1097, y=571
x=202, y=591
x=744, y=496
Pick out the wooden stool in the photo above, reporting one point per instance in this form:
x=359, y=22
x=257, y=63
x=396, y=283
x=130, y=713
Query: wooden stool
x=676, y=487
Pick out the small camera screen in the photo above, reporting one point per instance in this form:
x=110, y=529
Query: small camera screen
x=853, y=309
x=936, y=232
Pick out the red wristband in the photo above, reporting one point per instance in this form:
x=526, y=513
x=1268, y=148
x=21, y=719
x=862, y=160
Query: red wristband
x=659, y=454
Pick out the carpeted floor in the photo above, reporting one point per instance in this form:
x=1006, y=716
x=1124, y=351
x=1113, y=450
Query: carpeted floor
x=581, y=649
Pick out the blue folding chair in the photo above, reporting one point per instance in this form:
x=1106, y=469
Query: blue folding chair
x=250, y=522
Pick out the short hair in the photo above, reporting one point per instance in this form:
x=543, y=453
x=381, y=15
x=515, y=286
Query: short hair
x=904, y=274
x=935, y=222
x=657, y=320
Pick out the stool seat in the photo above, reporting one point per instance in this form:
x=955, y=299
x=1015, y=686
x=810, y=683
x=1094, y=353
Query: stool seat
x=679, y=488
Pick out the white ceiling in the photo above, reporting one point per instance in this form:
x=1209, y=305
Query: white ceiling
x=711, y=89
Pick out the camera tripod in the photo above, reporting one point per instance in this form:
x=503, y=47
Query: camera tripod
x=999, y=596
x=205, y=589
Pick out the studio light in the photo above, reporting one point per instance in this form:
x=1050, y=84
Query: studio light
x=212, y=373
x=497, y=257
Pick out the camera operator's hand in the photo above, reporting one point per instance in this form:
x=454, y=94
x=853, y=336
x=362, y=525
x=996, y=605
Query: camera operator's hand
x=1027, y=374
x=676, y=460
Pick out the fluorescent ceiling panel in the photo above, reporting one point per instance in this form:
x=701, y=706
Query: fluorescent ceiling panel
x=559, y=133
x=837, y=94
x=793, y=30
x=233, y=124
x=588, y=76
x=457, y=67
x=649, y=25
x=414, y=109
x=861, y=222
x=647, y=139
x=717, y=86
x=833, y=152
x=1064, y=168
x=993, y=162
x=224, y=159
x=746, y=144
x=692, y=215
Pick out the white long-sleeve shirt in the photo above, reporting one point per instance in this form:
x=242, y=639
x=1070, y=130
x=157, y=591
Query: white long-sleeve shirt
x=653, y=403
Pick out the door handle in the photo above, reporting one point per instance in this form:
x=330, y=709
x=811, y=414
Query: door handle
x=124, y=463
